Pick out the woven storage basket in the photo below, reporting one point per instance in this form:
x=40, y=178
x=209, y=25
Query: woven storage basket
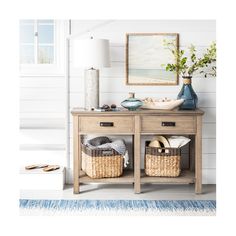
x=162, y=161
x=101, y=163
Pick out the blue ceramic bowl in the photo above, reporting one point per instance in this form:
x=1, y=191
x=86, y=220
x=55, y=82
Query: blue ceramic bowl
x=131, y=104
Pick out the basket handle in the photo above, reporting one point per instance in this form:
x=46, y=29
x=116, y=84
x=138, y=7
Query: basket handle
x=107, y=152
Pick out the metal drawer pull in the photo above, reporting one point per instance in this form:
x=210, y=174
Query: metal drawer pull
x=107, y=124
x=165, y=123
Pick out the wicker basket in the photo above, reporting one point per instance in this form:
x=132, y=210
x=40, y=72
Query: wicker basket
x=162, y=161
x=101, y=163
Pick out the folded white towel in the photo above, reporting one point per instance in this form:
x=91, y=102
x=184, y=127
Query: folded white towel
x=178, y=141
x=126, y=159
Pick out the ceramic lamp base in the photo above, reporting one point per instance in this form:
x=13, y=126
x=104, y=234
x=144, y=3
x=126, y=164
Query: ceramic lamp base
x=91, y=86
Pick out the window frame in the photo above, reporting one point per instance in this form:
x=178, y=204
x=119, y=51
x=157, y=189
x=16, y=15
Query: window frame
x=56, y=68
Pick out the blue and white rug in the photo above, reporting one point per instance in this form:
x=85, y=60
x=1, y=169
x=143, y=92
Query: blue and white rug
x=118, y=207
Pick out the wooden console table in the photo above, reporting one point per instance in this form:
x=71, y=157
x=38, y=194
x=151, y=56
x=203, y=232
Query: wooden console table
x=137, y=123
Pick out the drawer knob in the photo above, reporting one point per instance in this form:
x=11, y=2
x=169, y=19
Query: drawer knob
x=106, y=124
x=168, y=123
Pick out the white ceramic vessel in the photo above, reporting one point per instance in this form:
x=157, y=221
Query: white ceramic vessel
x=162, y=104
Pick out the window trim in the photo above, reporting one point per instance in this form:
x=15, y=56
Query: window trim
x=56, y=68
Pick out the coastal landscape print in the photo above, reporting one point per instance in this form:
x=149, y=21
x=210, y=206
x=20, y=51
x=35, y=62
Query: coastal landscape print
x=146, y=55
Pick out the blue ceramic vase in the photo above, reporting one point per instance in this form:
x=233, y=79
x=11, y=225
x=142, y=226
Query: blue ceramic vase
x=131, y=103
x=187, y=93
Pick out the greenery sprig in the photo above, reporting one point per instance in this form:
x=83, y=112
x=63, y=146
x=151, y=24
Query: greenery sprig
x=187, y=66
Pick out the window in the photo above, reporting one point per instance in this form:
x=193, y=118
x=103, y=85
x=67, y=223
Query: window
x=42, y=45
x=37, y=42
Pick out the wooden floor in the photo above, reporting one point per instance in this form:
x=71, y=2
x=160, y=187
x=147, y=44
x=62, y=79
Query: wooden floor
x=125, y=191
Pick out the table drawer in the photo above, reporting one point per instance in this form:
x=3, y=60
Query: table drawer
x=168, y=124
x=103, y=124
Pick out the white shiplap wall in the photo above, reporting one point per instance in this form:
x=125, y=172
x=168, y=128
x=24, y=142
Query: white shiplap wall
x=42, y=98
x=42, y=120
x=112, y=80
x=43, y=107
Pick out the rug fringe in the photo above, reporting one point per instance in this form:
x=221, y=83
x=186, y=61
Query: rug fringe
x=118, y=207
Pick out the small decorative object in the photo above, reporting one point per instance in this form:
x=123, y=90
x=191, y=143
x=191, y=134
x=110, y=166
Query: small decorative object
x=163, y=104
x=105, y=107
x=113, y=106
x=186, y=67
x=132, y=103
x=145, y=54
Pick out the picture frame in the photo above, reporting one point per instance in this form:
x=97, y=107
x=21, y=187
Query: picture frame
x=145, y=57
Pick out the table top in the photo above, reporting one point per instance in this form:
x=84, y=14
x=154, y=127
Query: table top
x=123, y=111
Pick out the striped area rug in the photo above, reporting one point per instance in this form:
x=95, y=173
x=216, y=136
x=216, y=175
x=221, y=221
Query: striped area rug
x=118, y=207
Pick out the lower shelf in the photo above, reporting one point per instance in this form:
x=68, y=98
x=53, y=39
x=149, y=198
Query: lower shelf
x=186, y=177
x=126, y=178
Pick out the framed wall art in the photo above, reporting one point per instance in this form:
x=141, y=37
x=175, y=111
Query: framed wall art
x=145, y=56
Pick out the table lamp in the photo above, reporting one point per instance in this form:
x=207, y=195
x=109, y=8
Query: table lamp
x=91, y=54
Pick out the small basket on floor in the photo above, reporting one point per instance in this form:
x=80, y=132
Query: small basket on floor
x=162, y=162
x=101, y=163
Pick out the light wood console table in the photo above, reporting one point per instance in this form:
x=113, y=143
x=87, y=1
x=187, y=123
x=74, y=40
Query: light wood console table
x=137, y=123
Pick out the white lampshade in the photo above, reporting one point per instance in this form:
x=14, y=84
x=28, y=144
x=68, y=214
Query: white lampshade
x=91, y=53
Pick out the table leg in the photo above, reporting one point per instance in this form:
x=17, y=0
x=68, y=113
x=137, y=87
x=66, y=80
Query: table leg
x=198, y=156
x=192, y=153
x=137, y=150
x=76, y=147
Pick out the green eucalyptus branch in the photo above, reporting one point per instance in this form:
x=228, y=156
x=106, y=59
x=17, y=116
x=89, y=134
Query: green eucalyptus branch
x=187, y=66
